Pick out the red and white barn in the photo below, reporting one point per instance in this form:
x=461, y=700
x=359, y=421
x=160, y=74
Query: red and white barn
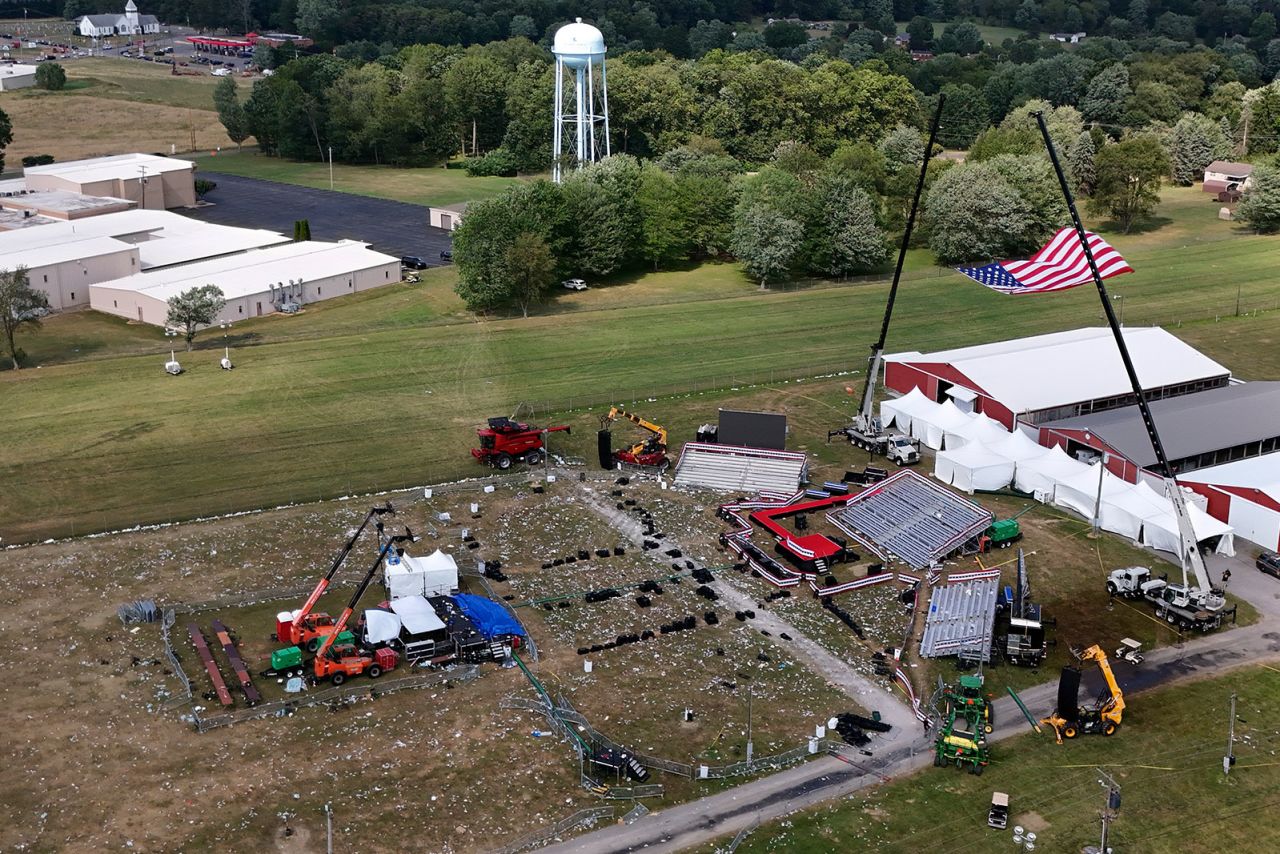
x=1245, y=494
x=1029, y=381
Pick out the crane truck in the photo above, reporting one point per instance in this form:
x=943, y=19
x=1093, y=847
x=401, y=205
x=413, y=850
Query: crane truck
x=650, y=454
x=1192, y=603
x=305, y=627
x=1104, y=716
x=866, y=430
x=337, y=662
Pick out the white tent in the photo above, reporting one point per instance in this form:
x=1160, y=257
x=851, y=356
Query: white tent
x=380, y=626
x=1039, y=475
x=973, y=466
x=1079, y=492
x=1160, y=530
x=417, y=615
x=900, y=411
x=931, y=428
x=979, y=428
x=1017, y=446
x=433, y=575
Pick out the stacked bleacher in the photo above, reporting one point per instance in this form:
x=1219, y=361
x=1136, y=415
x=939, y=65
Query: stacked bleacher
x=732, y=468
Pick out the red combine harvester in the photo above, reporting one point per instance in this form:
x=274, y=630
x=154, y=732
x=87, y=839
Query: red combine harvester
x=338, y=662
x=306, y=629
x=504, y=442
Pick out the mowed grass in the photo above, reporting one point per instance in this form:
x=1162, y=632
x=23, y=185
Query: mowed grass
x=386, y=392
x=1167, y=758
x=432, y=185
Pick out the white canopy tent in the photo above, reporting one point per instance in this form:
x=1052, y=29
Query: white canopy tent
x=900, y=411
x=1079, y=492
x=1017, y=446
x=433, y=575
x=380, y=626
x=972, y=467
x=1160, y=530
x=979, y=428
x=1039, y=475
x=932, y=428
x=417, y=615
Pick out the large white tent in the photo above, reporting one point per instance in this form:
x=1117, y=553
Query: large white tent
x=433, y=575
x=900, y=411
x=979, y=428
x=932, y=428
x=1160, y=531
x=1079, y=491
x=1018, y=446
x=1038, y=476
x=973, y=466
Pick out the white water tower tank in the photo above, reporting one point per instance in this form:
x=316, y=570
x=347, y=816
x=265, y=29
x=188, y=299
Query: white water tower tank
x=580, y=51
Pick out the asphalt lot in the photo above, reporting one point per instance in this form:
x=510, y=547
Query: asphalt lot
x=396, y=228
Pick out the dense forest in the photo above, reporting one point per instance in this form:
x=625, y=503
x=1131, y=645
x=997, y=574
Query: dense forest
x=785, y=145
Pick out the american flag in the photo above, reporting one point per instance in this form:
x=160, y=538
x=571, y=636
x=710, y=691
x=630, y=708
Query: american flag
x=1059, y=265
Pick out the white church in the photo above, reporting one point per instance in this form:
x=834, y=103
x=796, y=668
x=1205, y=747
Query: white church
x=128, y=24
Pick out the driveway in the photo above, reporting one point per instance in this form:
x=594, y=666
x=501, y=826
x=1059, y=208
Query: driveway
x=396, y=228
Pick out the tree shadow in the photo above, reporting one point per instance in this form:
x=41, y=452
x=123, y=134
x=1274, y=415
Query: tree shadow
x=1142, y=226
x=239, y=339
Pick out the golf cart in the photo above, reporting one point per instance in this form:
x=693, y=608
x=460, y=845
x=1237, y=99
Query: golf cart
x=998, y=815
x=1130, y=650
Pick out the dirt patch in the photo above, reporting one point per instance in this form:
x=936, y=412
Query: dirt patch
x=1032, y=821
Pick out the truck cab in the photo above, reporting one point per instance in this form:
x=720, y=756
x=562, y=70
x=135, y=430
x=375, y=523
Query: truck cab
x=902, y=450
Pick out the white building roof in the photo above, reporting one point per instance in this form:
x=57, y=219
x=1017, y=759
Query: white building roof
x=1261, y=473
x=58, y=253
x=162, y=238
x=17, y=70
x=253, y=272
x=110, y=168
x=1061, y=368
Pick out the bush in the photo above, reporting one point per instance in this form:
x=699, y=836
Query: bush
x=37, y=160
x=497, y=163
x=51, y=76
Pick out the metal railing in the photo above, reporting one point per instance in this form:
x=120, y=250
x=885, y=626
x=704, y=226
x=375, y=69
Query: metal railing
x=535, y=838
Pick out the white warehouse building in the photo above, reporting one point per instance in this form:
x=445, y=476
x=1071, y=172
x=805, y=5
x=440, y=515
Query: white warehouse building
x=254, y=282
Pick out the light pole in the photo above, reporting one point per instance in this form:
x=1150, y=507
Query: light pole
x=142, y=187
x=750, y=692
x=331, y=167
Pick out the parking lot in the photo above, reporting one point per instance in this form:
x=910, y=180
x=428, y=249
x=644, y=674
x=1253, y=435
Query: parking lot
x=396, y=228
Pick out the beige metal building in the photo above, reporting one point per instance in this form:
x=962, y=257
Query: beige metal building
x=15, y=76
x=254, y=283
x=156, y=183
x=64, y=258
x=447, y=217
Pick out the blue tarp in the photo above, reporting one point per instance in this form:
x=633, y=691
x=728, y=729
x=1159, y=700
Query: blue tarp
x=489, y=618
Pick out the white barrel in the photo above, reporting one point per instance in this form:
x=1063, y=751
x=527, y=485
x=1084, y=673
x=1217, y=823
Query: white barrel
x=586, y=666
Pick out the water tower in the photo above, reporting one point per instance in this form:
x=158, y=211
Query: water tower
x=579, y=49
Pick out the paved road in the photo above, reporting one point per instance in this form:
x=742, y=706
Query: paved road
x=698, y=822
x=396, y=228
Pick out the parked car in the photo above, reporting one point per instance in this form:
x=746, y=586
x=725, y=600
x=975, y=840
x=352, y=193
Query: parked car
x=413, y=262
x=446, y=255
x=574, y=284
x=221, y=72
x=1269, y=562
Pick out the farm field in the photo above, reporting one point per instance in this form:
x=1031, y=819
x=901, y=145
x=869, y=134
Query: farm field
x=1167, y=755
x=388, y=395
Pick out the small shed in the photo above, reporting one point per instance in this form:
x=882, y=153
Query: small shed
x=447, y=217
x=1225, y=176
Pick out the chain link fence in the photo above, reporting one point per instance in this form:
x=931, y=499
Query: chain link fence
x=536, y=838
x=184, y=695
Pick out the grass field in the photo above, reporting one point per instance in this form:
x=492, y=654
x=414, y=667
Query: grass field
x=1167, y=757
x=387, y=395
x=163, y=112
x=425, y=186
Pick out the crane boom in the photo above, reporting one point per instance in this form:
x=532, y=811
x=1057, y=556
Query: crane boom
x=341, y=625
x=865, y=421
x=1203, y=594
x=659, y=432
x=338, y=561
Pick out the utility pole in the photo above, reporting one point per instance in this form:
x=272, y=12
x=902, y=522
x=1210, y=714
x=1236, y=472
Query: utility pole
x=328, y=828
x=746, y=677
x=1108, y=810
x=331, y=167
x=1230, y=758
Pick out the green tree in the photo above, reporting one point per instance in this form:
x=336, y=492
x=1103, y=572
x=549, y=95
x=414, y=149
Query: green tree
x=530, y=270
x=706, y=200
x=226, y=100
x=601, y=200
x=1105, y=98
x=203, y=187
x=972, y=213
x=964, y=114
x=475, y=90
x=994, y=142
x=1080, y=163
x=50, y=76
x=782, y=36
x=193, y=308
x=1260, y=206
x=1128, y=180
x=921, y=31
x=903, y=147
x=301, y=229
x=523, y=25
x=1028, y=16
x=1194, y=143
x=20, y=306
x=1033, y=179
x=6, y=135
x=318, y=18
x=850, y=240
x=963, y=38
x=766, y=242
x=664, y=232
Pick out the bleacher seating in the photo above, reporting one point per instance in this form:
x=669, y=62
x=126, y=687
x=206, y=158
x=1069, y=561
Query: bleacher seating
x=731, y=468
